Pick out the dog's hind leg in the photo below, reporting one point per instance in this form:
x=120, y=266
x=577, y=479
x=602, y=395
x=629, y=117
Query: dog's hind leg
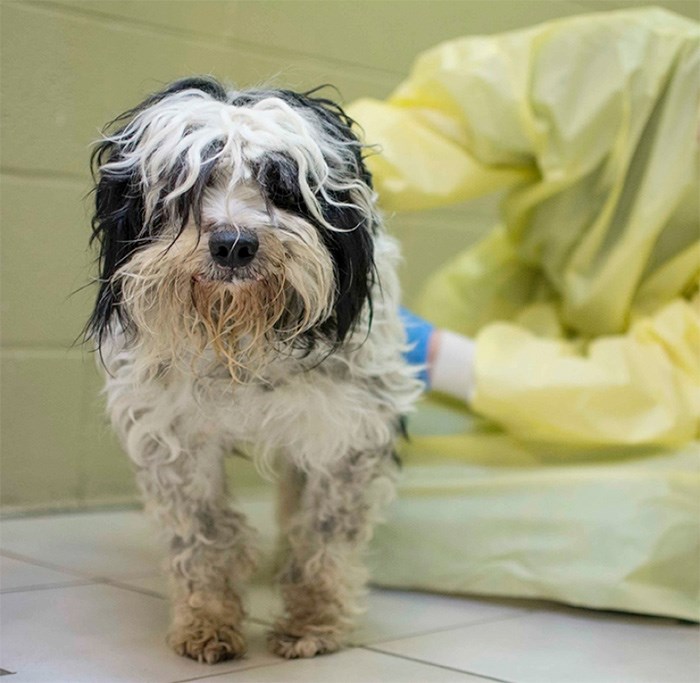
x=324, y=535
x=180, y=473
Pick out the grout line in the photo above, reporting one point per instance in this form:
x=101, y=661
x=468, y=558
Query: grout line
x=480, y=622
x=439, y=666
x=46, y=175
x=223, y=41
x=288, y=661
x=108, y=20
x=50, y=586
x=48, y=565
x=58, y=349
x=120, y=583
x=130, y=504
x=234, y=671
x=84, y=577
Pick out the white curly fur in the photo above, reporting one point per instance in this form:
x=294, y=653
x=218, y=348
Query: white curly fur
x=323, y=422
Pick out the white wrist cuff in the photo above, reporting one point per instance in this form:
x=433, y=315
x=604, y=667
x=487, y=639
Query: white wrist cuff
x=452, y=368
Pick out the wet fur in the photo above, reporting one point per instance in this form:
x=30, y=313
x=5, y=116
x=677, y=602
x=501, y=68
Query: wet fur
x=295, y=359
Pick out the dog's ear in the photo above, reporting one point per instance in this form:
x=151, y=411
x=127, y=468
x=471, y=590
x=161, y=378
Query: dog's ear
x=352, y=250
x=117, y=226
x=119, y=221
x=350, y=243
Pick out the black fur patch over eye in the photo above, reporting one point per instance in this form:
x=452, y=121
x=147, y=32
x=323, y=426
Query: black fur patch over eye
x=119, y=222
x=278, y=177
x=350, y=246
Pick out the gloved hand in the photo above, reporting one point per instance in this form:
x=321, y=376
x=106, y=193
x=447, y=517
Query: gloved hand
x=445, y=359
x=418, y=333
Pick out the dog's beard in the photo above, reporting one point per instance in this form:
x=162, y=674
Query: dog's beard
x=181, y=309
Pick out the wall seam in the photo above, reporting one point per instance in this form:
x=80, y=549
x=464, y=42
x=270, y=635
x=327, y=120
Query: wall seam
x=253, y=48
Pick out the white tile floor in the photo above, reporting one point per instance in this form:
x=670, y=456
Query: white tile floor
x=82, y=601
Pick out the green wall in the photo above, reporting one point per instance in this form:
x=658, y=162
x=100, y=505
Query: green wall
x=68, y=67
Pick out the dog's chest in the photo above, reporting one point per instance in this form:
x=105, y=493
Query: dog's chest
x=316, y=414
x=282, y=404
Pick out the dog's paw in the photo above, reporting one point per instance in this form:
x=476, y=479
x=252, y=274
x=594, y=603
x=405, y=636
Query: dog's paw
x=207, y=641
x=294, y=647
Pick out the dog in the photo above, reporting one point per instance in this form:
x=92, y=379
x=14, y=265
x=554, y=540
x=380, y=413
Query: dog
x=248, y=302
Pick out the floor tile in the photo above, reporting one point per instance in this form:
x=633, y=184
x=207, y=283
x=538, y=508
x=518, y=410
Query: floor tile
x=390, y=614
x=395, y=614
x=113, y=544
x=16, y=574
x=100, y=633
x=114, y=631
x=570, y=645
x=349, y=666
x=95, y=544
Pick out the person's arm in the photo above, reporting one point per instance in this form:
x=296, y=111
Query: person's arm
x=446, y=359
x=637, y=388
x=642, y=387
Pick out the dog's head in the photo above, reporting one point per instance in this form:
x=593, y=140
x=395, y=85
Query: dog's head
x=240, y=221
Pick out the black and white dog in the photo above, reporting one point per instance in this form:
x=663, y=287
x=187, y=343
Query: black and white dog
x=248, y=301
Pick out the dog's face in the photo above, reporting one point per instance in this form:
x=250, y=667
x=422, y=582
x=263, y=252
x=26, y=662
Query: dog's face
x=235, y=221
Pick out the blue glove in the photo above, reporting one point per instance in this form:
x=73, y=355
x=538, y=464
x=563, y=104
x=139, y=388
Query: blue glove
x=418, y=333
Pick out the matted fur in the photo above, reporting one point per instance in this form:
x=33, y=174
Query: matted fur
x=294, y=358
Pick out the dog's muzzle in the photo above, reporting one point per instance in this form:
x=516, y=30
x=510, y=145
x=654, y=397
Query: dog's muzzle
x=233, y=249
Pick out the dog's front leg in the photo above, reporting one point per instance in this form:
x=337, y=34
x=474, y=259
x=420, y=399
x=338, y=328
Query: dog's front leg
x=180, y=473
x=326, y=524
x=210, y=555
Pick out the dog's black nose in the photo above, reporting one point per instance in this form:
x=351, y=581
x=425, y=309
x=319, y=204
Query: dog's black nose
x=233, y=249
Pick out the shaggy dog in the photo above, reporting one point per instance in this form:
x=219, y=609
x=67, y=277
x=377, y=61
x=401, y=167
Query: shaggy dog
x=248, y=302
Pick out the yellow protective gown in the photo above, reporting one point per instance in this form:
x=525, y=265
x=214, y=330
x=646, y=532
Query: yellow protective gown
x=583, y=301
